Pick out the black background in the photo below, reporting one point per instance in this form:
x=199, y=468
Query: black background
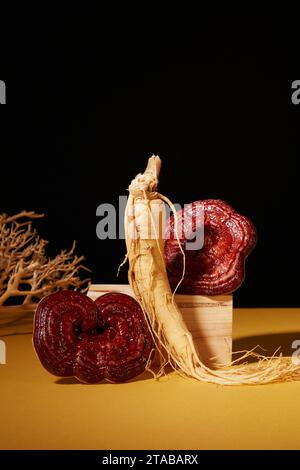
x=88, y=102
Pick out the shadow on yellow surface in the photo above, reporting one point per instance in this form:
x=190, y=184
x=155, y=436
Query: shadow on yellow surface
x=16, y=321
x=24, y=318
x=267, y=344
x=73, y=381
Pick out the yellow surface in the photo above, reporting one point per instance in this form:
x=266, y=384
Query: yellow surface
x=39, y=411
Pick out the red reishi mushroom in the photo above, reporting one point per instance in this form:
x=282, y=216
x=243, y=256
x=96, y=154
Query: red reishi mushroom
x=77, y=337
x=219, y=266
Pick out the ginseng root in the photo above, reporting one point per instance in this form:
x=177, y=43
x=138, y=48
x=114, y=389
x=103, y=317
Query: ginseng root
x=144, y=230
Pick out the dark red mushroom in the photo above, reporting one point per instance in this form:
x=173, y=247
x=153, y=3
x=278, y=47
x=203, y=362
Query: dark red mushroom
x=109, y=338
x=219, y=266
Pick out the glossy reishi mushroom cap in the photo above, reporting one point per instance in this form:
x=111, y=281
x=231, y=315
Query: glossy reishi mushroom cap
x=219, y=266
x=77, y=337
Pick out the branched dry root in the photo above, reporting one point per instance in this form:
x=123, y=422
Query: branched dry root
x=25, y=270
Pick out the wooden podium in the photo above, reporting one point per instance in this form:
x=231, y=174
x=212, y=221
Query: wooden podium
x=209, y=319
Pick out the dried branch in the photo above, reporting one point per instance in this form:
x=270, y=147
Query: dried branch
x=25, y=270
